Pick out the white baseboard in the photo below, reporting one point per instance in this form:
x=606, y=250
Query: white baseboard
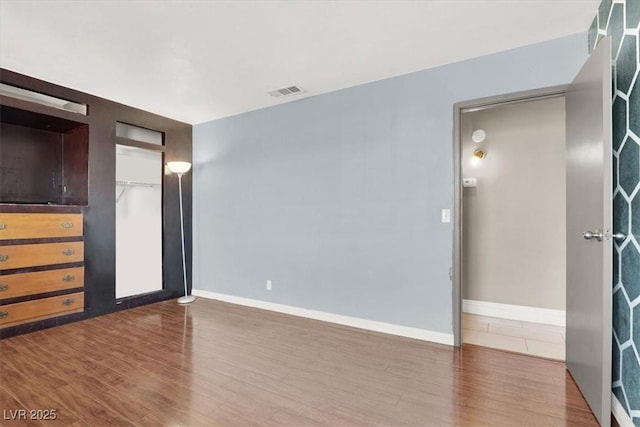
x=371, y=325
x=618, y=411
x=515, y=312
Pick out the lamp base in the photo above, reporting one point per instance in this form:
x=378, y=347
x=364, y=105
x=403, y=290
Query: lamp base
x=187, y=299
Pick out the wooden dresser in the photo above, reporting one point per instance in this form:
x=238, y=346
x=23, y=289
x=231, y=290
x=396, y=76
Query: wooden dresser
x=41, y=263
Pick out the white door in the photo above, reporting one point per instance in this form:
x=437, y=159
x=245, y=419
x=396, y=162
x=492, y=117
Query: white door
x=589, y=246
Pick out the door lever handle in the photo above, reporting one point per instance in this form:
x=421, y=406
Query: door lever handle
x=590, y=235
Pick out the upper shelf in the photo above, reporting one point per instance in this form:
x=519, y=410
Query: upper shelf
x=26, y=113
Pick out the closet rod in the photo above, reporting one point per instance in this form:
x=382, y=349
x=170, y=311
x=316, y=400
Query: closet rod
x=140, y=184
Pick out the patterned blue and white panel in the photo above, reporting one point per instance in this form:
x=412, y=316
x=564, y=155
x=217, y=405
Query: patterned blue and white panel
x=620, y=19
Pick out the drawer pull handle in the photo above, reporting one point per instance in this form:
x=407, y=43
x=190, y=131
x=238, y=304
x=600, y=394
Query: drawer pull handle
x=3, y=257
x=68, y=278
x=67, y=224
x=68, y=252
x=68, y=301
x=3, y=226
x=3, y=314
x=3, y=287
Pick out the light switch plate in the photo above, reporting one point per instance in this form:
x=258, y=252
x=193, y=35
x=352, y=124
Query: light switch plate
x=445, y=215
x=469, y=182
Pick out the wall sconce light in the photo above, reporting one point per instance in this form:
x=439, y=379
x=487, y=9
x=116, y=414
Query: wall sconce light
x=479, y=154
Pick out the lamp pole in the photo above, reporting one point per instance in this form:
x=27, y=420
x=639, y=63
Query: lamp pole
x=180, y=168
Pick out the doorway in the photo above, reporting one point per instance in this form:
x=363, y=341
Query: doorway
x=139, y=175
x=511, y=222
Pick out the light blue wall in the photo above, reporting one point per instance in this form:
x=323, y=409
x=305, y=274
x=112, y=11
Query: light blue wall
x=337, y=197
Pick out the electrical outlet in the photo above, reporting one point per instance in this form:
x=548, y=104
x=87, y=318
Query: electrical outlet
x=268, y=285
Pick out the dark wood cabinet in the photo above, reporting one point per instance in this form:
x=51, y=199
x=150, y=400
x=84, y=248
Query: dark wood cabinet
x=57, y=159
x=43, y=157
x=41, y=264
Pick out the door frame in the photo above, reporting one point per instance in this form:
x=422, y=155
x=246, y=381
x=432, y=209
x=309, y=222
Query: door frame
x=458, y=232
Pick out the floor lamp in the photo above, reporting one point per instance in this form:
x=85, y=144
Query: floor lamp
x=180, y=168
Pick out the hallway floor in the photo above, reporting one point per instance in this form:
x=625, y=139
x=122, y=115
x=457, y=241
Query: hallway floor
x=534, y=339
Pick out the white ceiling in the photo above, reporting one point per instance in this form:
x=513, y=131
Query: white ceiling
x=200, y=60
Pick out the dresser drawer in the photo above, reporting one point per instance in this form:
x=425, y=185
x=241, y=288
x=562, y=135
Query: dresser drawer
x=39, y=225
x=19, y=256
x=19, y=285
x=22, y=312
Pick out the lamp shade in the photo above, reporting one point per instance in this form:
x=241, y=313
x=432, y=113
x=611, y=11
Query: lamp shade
x=179, y=167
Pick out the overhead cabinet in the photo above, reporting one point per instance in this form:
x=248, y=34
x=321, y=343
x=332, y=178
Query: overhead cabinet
x=43, y=154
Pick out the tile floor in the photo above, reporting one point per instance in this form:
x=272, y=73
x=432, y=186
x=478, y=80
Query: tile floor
x=534, y=339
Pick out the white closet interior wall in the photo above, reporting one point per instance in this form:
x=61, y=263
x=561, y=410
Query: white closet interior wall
x=138, y=221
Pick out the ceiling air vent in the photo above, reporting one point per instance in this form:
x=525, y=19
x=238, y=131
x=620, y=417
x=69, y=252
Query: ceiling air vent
x=286, y=91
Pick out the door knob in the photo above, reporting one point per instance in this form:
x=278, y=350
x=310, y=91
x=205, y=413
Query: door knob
x=619, y=236
x=590, y=235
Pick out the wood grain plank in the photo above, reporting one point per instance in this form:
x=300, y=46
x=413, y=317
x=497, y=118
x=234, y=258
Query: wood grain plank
x=34, y=388
x=28, y=311
x=13, y=412
x=39, y=225
x=21, y=256
x=213, y=363
x=19, y=285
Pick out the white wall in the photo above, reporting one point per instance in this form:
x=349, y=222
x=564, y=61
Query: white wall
x=138, y=222
x=514, y=249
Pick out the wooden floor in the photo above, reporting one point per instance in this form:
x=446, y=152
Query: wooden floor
x=217, y=364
